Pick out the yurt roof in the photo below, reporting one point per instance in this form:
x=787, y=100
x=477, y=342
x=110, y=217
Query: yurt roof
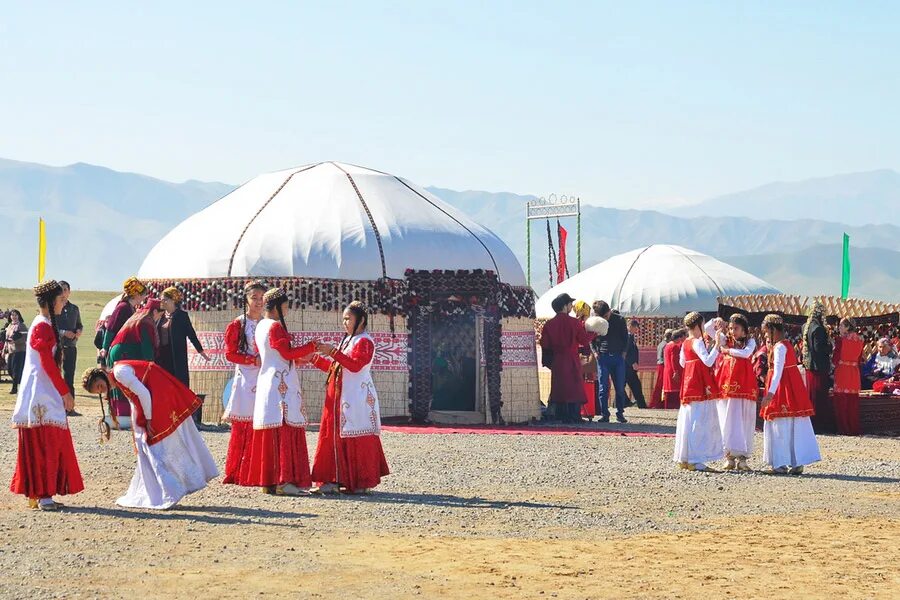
x=328, y=220
x=657, y=280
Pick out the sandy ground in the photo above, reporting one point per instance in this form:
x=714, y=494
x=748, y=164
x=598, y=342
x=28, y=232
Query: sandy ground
x=467, y=516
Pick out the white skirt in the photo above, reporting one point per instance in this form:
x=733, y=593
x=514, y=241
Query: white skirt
x=737, y=418
x=698, y=437
x=790, y=442
x=169, y=470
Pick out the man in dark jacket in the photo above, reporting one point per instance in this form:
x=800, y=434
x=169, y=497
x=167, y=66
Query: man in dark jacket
x=632, y=359
x=69, y=323
x=817, y=362
x=610, y=351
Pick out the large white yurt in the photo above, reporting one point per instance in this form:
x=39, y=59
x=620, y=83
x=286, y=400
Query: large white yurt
x=450, y=311
x=661, y=280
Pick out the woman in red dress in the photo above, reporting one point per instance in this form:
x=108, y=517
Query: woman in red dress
x=276, y=458
x=672, y=371
x=789, y=442
x=848, y=355
x=45, y=463
x=240, y=349
x=656, y=396
x=739, y=391
x=349, y=456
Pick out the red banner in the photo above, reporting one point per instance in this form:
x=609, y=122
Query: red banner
x=561, y=265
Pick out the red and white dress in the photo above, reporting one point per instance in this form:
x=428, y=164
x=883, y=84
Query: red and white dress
x=788, y=436
x=349, y=450
x=739, y=391
x=277, y=454
x=673, y=374
x=698, y=437
x=46, y=465
x=174, y=461
x=239, y=409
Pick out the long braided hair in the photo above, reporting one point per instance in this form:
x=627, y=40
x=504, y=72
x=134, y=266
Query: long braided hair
x=249, y=288
x=361, y=315
x=739, y=319
x=46, y=293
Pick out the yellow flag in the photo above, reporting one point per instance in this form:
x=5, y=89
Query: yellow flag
x=42, y=251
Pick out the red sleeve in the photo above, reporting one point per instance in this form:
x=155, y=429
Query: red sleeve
x=42, y=341
x=232, y=344
x=322, y=363
x=836, y=355
x=359, y=357
x=281, y=341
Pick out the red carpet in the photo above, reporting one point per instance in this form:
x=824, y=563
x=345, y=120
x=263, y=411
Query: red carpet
x=518, y=430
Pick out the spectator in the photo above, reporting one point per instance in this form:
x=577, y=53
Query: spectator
x=70, y=329
x=817, y=362
x=175, y=329
x=15, y=334
x=882, y=363
x=672, y=370
x=632, y=360
x=610, y=350
x=656, y=395
x=561, y=338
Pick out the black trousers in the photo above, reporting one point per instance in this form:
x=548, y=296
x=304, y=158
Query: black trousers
x=70, y=356
x=15, y=365
x=634, y=384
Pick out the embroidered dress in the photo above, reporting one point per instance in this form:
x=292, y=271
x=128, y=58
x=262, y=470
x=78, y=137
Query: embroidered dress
x=46, y=465
x=349, y=450
x=174, y=461
x=277, y=453
x=737, y=409
x=673, y=374
x=848, y=354
x=239, y=409
x=788, y=437
x=698, y=437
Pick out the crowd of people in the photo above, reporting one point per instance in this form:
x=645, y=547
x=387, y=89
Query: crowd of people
x=143, y=373
x=720, y=377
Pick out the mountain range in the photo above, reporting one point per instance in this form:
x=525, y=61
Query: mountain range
x=101, y=223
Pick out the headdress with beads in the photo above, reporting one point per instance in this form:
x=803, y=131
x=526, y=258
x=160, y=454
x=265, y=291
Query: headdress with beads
x=274, y=297
x=91, y=375
x=693, y=319
x=47, y=287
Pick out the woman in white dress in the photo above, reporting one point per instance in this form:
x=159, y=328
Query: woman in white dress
x=739, y=390
x=172, y=459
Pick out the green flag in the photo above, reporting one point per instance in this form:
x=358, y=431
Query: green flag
x=845, y=269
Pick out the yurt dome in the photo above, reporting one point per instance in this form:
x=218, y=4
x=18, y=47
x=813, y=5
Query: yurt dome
x=449, y=311
x=657, y=280
x=328, y=220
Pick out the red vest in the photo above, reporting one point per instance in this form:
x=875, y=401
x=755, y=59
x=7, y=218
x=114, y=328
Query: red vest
x=736, y=378
x=791, y=398
x=697, y=381
x=172, y=401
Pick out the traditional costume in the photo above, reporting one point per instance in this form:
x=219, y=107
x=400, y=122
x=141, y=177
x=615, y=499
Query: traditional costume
x=46, y=465
x=816, y=354
x=673, y=374
x=277, y=454
x=737, y=409
x=561, y=340
x=123, y=311
x=137, y=339
x=848, y=354
x=174, y=461
x=698, y=437
x=788, y=438
x=349, y=450
x=656, y=400
x=239, y=409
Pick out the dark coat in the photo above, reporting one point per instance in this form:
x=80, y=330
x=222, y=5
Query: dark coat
x=817, y=349
x=616, y=339
x=564, y=336
x=173, y=357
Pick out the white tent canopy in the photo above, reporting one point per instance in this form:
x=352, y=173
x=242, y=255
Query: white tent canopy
x=329, y=220
x=658, y=280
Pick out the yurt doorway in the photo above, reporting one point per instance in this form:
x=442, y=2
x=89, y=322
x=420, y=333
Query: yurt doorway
x=456, y=362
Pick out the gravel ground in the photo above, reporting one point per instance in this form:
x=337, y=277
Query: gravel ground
x=448, y=494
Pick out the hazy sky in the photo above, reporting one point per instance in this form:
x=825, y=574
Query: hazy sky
x=625, y=104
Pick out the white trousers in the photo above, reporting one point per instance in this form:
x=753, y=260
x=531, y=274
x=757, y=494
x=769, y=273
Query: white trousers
x=737, y=419
x=790, y=442
x=698, y=437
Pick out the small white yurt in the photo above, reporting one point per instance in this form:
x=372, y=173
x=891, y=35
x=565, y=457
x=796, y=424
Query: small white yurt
x=661, y=280
x=450, y=312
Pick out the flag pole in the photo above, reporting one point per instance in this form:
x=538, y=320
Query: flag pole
x=42, y=250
